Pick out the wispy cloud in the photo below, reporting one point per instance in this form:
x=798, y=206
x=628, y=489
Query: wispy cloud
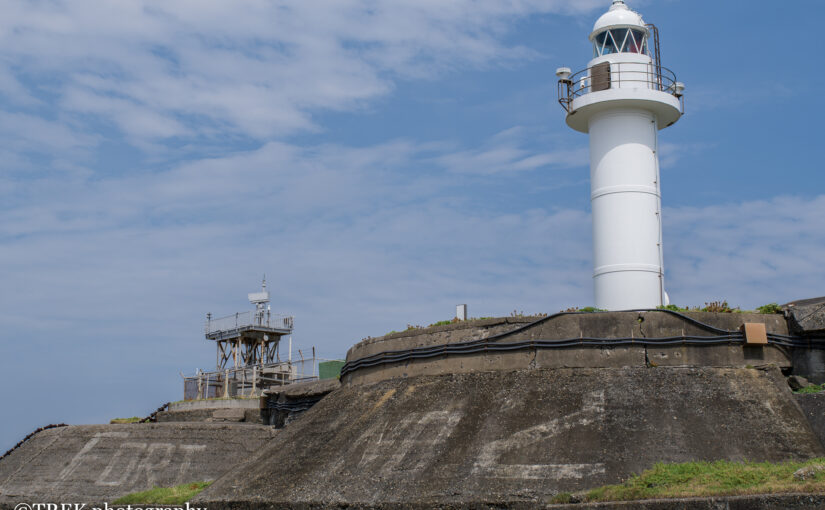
x=506, y=152
x=261, y=69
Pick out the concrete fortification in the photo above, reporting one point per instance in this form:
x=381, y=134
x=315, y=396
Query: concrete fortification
x=519, y=436
x=99, y=463
x=506, y=412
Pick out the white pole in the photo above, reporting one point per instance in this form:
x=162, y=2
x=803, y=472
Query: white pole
x=290, y=348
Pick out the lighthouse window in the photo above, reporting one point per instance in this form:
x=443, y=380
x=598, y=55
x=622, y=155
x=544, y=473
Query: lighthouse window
x=605, y=44
x=620, y=40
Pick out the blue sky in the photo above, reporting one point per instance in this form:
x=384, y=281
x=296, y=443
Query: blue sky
x=380, y=161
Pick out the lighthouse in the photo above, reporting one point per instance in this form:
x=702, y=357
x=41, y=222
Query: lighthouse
x=622, y=100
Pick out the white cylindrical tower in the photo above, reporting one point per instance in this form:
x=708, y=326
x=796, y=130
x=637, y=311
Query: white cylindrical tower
x=622, y=100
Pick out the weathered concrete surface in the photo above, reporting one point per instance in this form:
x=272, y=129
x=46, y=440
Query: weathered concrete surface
x=304, y=389
x=757, y=502
x=566, y=326
x=813, y=405
x=216, y=403
x=98, y=463
x=720, y=356
x=807, y=316
x=437, y=335
x=213, y=415
x=809, y=363
x=294, y=400
x=508, y=437
x=571, y=326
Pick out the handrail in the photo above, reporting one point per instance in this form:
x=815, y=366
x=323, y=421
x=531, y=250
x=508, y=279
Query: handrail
x=621, y=74
x=248, y=319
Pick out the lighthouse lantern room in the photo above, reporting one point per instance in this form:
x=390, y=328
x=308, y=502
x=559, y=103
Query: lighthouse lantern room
x=622, y=100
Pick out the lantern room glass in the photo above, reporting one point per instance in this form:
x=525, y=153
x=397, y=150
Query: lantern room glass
x=620, y=40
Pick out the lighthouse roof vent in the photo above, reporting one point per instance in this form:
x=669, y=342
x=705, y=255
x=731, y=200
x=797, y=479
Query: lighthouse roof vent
x=619, y=15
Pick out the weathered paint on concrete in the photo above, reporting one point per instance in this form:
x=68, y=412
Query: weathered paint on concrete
x=508, y=437
x=97, y=463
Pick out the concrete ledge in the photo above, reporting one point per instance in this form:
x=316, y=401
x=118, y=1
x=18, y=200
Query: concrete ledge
x=566, y=326
x=755, y=502
x=436, y=335
x=720, y=356
x=304, y=389
x=220, y=403
x=607, y=325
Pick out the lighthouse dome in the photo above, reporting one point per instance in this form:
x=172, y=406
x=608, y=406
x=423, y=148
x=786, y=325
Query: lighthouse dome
x=619, y=15
x=620, y=30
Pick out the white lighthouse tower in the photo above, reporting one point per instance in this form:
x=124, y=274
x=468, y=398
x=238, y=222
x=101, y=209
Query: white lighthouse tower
x=622, y=100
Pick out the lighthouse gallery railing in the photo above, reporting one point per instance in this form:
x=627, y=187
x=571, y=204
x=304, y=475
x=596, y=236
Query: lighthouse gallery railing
x=616, y=75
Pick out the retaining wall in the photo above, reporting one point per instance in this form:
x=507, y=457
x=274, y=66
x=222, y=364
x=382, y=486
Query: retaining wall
x=99, y=463
x=510, y=437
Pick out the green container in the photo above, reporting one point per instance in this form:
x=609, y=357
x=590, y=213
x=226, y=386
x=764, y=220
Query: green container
x=330, y=369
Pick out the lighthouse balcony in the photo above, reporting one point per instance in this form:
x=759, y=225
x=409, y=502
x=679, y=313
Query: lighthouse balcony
x=629, y=85
x=627, y=76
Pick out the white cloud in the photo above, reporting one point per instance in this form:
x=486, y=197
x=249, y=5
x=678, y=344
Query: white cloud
x=750, y=253
x=505, y=152
x=257, y=69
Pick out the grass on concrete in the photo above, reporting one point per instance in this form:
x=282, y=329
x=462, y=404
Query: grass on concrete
x=699, y=479
x=133, y=419
x=814, y=388
x=165, y=495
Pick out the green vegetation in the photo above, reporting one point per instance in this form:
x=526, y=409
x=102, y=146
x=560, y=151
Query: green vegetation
x=133, y=419
x=674, y=308
x=770, y=309
x=723, y=307
x=167, y=496
x=586, y=309
x=721, y=478
x=814, y=388
x=562, y=498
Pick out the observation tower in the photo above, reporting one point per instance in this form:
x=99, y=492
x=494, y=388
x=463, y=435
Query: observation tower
x=622, y=100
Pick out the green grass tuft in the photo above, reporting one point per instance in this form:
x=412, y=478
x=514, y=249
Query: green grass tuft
x=133, y=419
x=562, y=498
x=165, y=495
x=814, y=388
x=720, y=478
x=770, y=309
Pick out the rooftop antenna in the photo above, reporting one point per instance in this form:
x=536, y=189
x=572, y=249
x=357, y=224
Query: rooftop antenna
x=261, y=302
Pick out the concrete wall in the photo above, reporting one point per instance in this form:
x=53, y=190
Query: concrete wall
x=99, y=463
x=813, y=405
x=437, y=335
x=495, y=437
x=570, y=326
